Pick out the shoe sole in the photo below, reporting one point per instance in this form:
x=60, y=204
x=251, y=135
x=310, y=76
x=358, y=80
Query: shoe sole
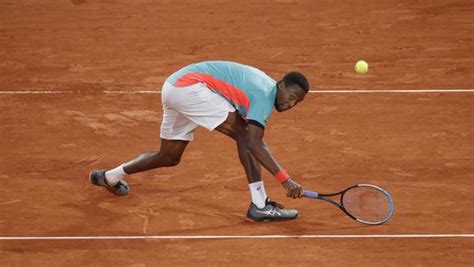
x=275, y=219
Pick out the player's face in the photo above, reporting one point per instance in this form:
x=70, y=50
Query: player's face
x=288, y=96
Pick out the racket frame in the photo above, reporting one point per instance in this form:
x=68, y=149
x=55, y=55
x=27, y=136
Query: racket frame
x=325, y=197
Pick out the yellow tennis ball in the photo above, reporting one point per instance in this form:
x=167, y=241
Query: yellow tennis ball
x=361, y=67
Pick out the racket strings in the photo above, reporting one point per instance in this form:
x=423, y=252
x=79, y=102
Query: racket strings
x=366, y=203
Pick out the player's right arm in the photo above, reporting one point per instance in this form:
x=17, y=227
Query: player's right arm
x=262, y=153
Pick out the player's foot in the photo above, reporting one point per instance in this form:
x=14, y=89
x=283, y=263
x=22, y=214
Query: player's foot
x=271, y=212
x=97, y=177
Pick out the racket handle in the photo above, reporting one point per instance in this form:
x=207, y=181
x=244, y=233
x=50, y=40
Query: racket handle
x=310, y=194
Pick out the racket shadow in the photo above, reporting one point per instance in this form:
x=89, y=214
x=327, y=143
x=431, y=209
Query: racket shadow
x=326, y=228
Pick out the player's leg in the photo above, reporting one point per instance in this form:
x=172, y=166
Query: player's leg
x=169, y=155
x=261, y=208
x=236, y=128
x=176, y=132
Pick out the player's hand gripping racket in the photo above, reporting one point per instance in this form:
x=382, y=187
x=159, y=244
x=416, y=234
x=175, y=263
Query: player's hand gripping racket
x=365, y=203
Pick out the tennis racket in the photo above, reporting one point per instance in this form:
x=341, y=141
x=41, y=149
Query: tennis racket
x=365, y=203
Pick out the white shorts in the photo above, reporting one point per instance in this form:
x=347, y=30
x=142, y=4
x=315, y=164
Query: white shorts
x=186, y=108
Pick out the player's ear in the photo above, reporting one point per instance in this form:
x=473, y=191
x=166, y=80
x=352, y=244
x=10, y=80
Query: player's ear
x=281, y=85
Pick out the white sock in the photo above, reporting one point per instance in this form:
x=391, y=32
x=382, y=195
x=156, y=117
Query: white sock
x=259, y=196
x=115, y=175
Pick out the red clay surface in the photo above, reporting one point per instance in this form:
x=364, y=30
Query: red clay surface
x=417, y=146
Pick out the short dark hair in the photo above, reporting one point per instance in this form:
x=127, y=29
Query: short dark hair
x=297, y=78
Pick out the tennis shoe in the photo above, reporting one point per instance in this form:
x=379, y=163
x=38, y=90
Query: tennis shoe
x=270, y=213
x=97, y=177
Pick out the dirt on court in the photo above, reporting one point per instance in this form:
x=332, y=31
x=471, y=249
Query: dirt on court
x=419, y=146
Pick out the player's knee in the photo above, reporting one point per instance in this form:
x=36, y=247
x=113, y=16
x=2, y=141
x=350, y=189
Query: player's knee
x=172, y=162
x=175, y=162
x=241, y=137
x=164, y=159
x=242, y=141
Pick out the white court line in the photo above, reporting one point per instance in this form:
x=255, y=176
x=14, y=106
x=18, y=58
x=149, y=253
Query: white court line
x=334, y=91
x=133, y=92
x=330, y=91
x=33, y=92
x=392, y=91
x=41, y=92
x=170, y=237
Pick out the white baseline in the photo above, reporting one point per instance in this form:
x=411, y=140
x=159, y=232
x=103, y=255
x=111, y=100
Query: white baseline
x=341, y=91
x=174, y=237
x=361, y=91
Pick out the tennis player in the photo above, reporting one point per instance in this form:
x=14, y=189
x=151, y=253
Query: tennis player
x=234, y=99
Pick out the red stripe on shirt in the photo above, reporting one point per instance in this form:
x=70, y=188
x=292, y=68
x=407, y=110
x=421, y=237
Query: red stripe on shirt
x=225, y=89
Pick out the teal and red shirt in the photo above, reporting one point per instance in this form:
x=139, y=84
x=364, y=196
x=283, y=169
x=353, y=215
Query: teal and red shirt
x=249, y=90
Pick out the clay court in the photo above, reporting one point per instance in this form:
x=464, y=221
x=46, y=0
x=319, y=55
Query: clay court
x=80, y=89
